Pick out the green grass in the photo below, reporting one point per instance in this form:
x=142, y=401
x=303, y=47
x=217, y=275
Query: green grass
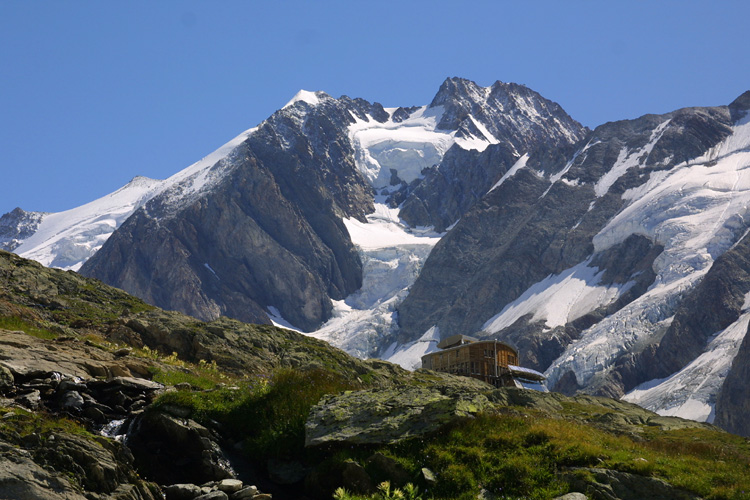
x=520, y=456
x=16, y=323
x=267, y=413
x=17, y=423
x=201, y=376
x=385, y=492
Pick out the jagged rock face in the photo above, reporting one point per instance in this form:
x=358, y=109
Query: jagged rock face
x=517, y=119
x=512, y=113
x=16, y=226
x=733, y=404
x=717, y=302
x=268, y=235
x=512, y=239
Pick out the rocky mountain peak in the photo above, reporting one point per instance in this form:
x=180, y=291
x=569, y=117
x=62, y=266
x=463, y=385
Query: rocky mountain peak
x=504, y=113
x=740, y=106
x=454, y=90
x=16, y=226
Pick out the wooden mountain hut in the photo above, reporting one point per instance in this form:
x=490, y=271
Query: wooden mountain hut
x=491, y=361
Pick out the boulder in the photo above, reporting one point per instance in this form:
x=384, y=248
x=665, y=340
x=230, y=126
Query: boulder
x=185, y=491
x=387, y=415
x=30, y=400
x=97, y=467
x=22, y=479
x=605, y=484
x=6, y=380
x=229, y=485
x=246, y=493
x=171, y=450
x=214, y=495
x=71, y=400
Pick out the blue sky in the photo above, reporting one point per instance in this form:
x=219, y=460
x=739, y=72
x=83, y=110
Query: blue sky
x=95, y=93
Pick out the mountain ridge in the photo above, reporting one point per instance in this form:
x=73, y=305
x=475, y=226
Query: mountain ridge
x=489, y=210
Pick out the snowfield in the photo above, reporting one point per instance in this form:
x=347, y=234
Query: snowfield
x=407, y=146
x=392, y=255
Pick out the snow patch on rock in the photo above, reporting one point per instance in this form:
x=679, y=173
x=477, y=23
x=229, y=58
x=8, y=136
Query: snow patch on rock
x=559, y=299
x=409, y=355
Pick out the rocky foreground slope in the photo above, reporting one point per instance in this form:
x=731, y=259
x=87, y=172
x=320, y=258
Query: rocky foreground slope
x=105, y=397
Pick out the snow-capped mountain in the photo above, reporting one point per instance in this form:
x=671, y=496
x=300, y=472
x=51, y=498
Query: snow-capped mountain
x=609, y=267
x=615, y=259
x=67, y=239
x=273, y=233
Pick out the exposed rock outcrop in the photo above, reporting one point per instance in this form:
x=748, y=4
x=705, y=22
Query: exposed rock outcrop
x=268, y=233
x=381, y=416
x=605, y=484
x=176, y=450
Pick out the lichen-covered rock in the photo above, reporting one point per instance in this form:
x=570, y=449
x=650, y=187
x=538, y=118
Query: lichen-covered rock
x=95, y=464
x=99, y=468
x=6, y=380
x=22, y=479
x=387, y=415
x=605, y=484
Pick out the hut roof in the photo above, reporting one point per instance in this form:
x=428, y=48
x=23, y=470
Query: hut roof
x=455, y=340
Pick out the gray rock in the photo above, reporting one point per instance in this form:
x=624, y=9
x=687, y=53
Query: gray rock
x=605, y=484
x=283, y=207
x=450, y=189
x=6, y=380
x=185, y=491
x=122, y=352
x=175, y=450
x=68, y=384
x=98, y=468
x=30, y=400
x=22, y=479
x=229, y=485
x=214, y=495
x=134, y=383
x=386, y=415
x=71, y=400
x=245, y=493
